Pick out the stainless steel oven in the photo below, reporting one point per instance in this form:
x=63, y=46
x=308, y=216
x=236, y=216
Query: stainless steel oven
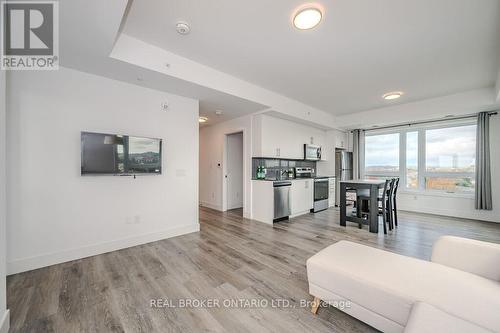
x=321, y=190
x=312, y=152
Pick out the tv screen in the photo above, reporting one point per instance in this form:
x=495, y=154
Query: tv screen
x=115, y=154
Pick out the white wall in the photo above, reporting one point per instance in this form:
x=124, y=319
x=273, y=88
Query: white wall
x=54, y=214
x=234, y=170
x=212, y=155
x=3, y=215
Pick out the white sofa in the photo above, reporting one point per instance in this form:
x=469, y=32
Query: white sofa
x=457, y=291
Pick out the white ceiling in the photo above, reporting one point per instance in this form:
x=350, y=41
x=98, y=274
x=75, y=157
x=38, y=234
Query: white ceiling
x=87, y=49
x=362, y=48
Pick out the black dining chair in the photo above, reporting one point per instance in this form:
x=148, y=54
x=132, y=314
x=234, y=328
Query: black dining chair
x=390, y=204
x=394, y=205
x=386, y=204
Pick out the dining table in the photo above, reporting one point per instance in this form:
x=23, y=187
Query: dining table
x=373, y=186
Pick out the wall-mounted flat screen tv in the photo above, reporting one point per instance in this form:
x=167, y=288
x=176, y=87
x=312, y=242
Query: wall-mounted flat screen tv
x=114, y=154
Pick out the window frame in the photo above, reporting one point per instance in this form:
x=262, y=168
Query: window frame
x=421, y=165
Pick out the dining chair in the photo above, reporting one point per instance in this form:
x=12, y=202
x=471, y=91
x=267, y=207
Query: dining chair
x=386, y=204
x=390, y=203
x=350, y=192
x=394, y=195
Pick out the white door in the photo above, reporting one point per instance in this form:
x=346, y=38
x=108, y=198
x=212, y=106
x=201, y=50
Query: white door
x=234, y=170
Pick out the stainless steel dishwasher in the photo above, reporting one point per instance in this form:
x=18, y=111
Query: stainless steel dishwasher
x=281, y=200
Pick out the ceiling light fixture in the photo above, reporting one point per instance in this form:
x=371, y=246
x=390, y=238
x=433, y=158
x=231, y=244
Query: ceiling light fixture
x=307, y=18
x=202, y=119
x=392, y=95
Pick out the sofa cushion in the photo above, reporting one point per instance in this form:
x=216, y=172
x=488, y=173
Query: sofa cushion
x=389, y=284
x=469, y=255
x=425, y=318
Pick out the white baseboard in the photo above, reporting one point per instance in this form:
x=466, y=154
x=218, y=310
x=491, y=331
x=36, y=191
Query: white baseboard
x=472, y=215
x=5, y=322
x=301, y=213
x=27, y=264
x=209, y=205
x=235, y=206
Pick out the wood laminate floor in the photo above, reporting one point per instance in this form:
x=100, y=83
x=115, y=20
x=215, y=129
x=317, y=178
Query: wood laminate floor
x=230, y=258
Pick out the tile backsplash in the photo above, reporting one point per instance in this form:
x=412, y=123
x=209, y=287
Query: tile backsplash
x=276, y=168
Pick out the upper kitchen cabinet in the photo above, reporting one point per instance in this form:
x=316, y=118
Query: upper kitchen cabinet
x=341, y=140
x=275, y=137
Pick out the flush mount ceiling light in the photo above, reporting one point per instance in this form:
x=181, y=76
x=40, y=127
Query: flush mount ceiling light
x=202, y=119
x=307, y=18
x=392, y=95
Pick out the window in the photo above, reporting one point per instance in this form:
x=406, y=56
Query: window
x=428, y=158
x=450, y=158
x=382, y=155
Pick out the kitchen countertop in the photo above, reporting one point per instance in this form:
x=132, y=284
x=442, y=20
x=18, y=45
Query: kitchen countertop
x=303, y=178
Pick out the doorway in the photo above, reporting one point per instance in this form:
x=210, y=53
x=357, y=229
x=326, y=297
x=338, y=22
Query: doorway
x=234, y=173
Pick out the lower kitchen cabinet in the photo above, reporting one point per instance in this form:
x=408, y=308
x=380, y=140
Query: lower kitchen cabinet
x=301, y=196
x=331, y=192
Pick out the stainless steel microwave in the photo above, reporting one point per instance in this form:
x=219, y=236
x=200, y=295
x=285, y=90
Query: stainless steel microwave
x=312, y=152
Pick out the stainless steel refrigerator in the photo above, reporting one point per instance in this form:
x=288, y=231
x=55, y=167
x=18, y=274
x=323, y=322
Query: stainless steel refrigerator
x=343, y=170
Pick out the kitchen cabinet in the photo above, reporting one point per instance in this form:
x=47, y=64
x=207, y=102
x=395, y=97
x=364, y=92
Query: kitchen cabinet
x=341, y=140
x=301, y=196
x=301, y=199
x=331, y=192
x=262, y=201
x=275, y=137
